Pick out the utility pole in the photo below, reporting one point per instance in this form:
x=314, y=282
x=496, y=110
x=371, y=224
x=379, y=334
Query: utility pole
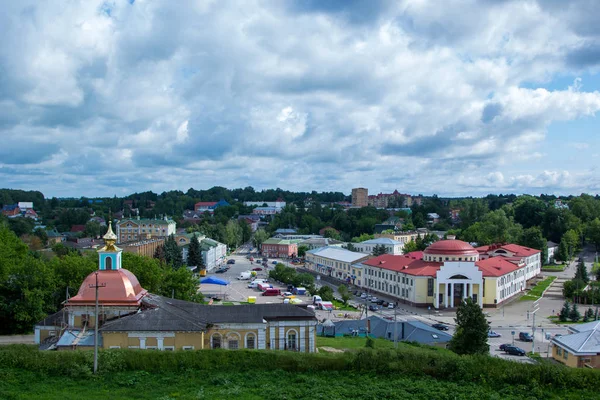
x=536, y=308
x=395, y=330
x=96, y=286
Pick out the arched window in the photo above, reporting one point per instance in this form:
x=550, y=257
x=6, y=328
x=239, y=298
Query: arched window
x=250, y=341
x=108, y=263
x=215, y=341
x=292, y=336
x=233, y=341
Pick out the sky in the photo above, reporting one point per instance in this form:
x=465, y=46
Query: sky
x=455, y=98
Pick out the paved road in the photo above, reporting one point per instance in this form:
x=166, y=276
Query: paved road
x=17, y=339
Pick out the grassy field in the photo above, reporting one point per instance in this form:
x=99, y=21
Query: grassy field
x=536, y=292
x=353, y=342
x=554, y=268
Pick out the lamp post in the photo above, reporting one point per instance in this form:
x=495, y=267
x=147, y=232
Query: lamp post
x=96, y=286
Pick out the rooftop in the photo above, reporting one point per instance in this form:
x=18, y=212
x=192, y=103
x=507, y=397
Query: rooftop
x=381, y=241
x=451, y=247
x=339, y=254
x=583, y=343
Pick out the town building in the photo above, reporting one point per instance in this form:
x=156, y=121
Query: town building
x=402, y=237
x=145, y=247
x=213, y=252
x=131, y=318
x=266, y=211
x=54, y=237
x=552, y=250
x=390, y=200
x=135, y=229
x=360, y=197
x=209, y=206
x=391, y=246
x=11, y=210
x=579, y=349
x=285, y=231
x=449, y=271
x=279, y=203
x=338, y=263
x=281, y=248
x=318, y=242
x=25, y=205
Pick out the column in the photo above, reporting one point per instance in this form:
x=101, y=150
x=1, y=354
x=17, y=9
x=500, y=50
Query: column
x=452, y=295
x=272, y=338
x=281, y=339
x=142, y=343
x=465, y=288
x=261, y=340
x=302, y=339
x=311, y=339
x=436, y=296
x=480, y=295
x=160, y=343
x=446, y=295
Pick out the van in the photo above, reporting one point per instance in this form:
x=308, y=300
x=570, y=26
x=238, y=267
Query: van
x=263, y=286
x=317, y=299
x=244, y=276
x=271, y=292
x=299, y=290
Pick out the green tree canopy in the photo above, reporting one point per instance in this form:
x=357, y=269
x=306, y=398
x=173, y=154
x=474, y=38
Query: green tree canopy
x=471, y=330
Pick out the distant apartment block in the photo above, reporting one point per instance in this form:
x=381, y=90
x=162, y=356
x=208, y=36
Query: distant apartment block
x=145, y=248
x=360, y=197
x=131, y=229
x=279, y=203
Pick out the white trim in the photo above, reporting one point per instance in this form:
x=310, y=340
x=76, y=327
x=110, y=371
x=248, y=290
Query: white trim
x=311, y=339
x=133, y=347
x=261, y=343
x=297, y=338
x=246, y=340
x=142, y=343
x=187, y=348
x=211, y=339
x=281, y=336
x=302, y=339
x=272, y=338
x=37, y=335
x=114, y=347
x=169, y=348
x=150, y=334
x=160, y=341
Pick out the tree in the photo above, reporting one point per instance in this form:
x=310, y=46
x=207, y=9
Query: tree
x=571, y=238
x=563, y=252
x=344, y=293
x=302, y=250
x=159, y=253
x=245, y=230
x=532, y=237
x=331, y=233
x=471, y=334
x=581, y=272
x=574, y=314
x=351, y=247
x=326, y=293
x=233, y=234
x=379, y=250
x=564, y=312
x=194, y=258
x=173, y=254
x=593, y=232
x=410, y=246
x=259, y=237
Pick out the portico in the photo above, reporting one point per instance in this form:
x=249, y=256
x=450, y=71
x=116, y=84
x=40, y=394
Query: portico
x=459, y=280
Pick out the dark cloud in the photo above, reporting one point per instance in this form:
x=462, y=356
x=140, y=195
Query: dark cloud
x=354, y=11
x=585, y=56
x=491, y=111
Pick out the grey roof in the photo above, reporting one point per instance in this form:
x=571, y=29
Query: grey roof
x=588, y=326
x=55, y=319
x=585, y=342
x=164, y=314
x=339, y=254
x=412, y=330
x=551, y=244
x=321, y=241
x=381, y=241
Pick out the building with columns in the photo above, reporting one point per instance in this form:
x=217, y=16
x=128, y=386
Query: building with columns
x=129, y=317
x=449, y=271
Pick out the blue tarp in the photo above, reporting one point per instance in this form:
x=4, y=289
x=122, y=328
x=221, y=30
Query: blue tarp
x=214, y=281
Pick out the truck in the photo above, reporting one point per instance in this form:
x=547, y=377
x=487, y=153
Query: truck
x=271, y=292
x=263, y=286
x=299, y=291
x=244, y=276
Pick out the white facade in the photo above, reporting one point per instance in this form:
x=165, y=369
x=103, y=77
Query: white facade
x=458, y=277
x=392, y=246
x=276, y=204
x=25, y=205
x=533, y=263
x=392, y=283
x=338, y=263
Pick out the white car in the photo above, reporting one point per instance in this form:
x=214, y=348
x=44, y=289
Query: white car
x=363, y=296
x=285, y=294
x=390, y=306
x=374, y=299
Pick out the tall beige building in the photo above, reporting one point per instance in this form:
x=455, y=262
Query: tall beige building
x=360, y=197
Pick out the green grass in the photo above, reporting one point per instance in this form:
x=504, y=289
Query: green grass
x=554, y=268
x=536, y=292
x=554, y=319
x=340, y=306
x=353, y=342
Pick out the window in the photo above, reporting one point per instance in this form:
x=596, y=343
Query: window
x=566, y=355
x=291, y=340
x=108, y=263
x=559, y=351
x=430, y=287
x=188, y=348
x=169, y=348
x=250, y=341
x=233, y=344
x=115, y=347
x=216, y=341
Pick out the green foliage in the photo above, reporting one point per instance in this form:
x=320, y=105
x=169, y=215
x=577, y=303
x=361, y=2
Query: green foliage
x=194, y=257
x=532, y=237
x=21, y=226
x=233, y=234
x=593, y=232
x=326, y=293
x=331, y=233
x=495, y=227
x=173, y=255
x=564, y=312
x=350, y=247
x=581, y=272
x=302, y=250
x=370, y=344
x=574, y=314
x=259, y=237
x=471, y=330
x=379, y=250
x=563, y=253
x=362, y=238
x=410, y=246
x=344, y=293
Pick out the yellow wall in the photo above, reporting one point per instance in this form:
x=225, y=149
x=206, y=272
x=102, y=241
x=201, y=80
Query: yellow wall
x=571, y=360
x=490, y=290
x=420, y=289
x=181, y=339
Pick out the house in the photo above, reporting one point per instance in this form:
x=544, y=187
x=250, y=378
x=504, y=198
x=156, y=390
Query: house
x=99, y=220
x=25, y=205
x=552, y=250
x=391, y=246
x=281, y=248
x=402, y=330
x=77, y=228
x=213, y=252
x=30, y=213
x=338, y=263
x=252, y=220
x=11, y=211
x=145, y=247
x=192, y=215
x=449, y=271
x=209, y=206
x=581, y=348
x=433, y=218
x=54, y=237
x=266, y=210
x=130, y=317
x=402, y=237
x=135, y=229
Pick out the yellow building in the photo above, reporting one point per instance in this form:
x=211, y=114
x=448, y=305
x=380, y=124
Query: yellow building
x=134, y=229
x=130, y=317
x=581, y=348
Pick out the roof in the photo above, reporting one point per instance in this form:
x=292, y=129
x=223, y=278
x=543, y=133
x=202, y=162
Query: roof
x=496, y=266
x=586, y=342
x=551, y=244
x=166, y=314
x=520, y=251
x=337, y=253
x=10, y=207
x=321, y=241
x=451, y=247
x=381, y=241
x=205, y=203
x=77, y=337
x=280, y=241
x=122, y=289
x=55, y=319
x=588, y=326
x=159, y=221
x=77, y=228
x=283, y=230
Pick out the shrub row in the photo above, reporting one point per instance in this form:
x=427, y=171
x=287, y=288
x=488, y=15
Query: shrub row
x=408, y=361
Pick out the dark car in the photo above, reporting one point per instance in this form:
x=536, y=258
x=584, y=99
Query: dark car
x=525, y=337
x=504, y=346
x=373, y=308
x=380, y=302
x=221, y=270
x=514, y=351
x=384, y=304
x=440, y=327
x=274, y=262
x=257, y=269
x=232, y=261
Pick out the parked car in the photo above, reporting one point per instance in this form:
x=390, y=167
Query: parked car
x=494, y=334
x=285, y=294
x=504, y=346
x=232, y=261
x=374, y=299
x=251, y=258
x=257, y=269
x=515, y=351
x=440, y=327
x=274, y=262
x=384, y=304
x=373, y=308
x=525, y=337
x=391, y=306
x=220, y=271
x=380, y=302
x=363, y=296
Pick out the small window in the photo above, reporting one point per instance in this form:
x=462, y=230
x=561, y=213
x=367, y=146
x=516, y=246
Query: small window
x=115, y=347
x=169, y=348
x=188, y=348
x=250, y=342
x=232, y=345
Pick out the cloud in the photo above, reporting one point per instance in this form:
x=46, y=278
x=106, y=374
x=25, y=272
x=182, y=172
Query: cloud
x=307, y=95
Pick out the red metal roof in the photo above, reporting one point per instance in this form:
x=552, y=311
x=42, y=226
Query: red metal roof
x=122, y=289
x=451, y=247
x=520, y=251
x=407, y=264
x=496, y=266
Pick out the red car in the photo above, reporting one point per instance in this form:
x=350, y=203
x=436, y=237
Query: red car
x=257, y=269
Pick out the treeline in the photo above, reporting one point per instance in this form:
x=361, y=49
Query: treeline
x=35, y=284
